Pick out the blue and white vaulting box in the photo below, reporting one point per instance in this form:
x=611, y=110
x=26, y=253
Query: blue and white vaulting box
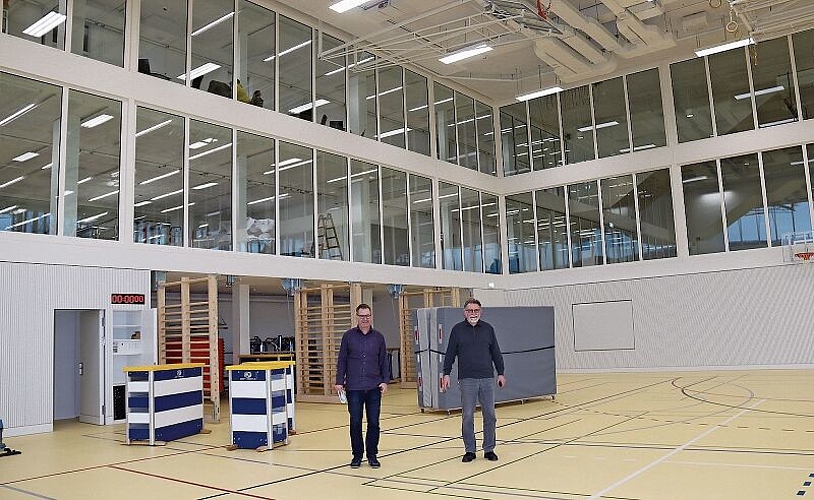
x=164, y=402
x=261, y=402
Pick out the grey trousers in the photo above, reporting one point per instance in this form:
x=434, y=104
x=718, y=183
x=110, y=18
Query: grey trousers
x=474, y=390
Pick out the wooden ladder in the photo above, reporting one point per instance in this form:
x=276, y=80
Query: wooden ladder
x=329, y=247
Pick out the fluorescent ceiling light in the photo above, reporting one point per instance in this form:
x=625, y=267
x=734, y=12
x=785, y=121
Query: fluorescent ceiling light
x=338, y=70
x=208, y=152
x=156, y=198
x=86, y=179
x=12, y=181
x=422, y=200
x=26, y=156
x=142, y=203
x=91, y=218
x=598, y=126
x=45, y=24
x=17, y=114
x=283, y=164
x=213, y=24
x=539, y=93
x=724, y=47
x=391, y=133
x=46, y=167
x=358, y=174
x=261, y=200
x=164, y=176
x=465, y=54
x=205, y=186
x=173, y=209
x=200, y=70
x=695, y=179
x=770, y=90
x=298, y=164
x=346, y=5
x=23, y=223
x=153, y=128
x=104, y=195
x=447, y=195
x=395, y=89
x=307, y=106
x=200, y=144
x=288, y=50
x=8, y=209
x=96, y=121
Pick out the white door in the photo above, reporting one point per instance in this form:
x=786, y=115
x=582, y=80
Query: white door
x=91, y=367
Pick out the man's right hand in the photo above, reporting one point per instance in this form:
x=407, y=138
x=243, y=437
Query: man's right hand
x=445, y=383
x=339, y=388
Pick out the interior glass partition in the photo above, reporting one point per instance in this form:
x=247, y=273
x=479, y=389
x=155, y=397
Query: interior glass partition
x=646, y=112
x=471, y=225
x=391, y=106
x=422, y=228
x=619, y=219
x=295, y=181
x=552, y=228
x=804, y=62
x=730, y=92
x=584, y=225
x=691, y=99
x=365, y=212
x=92, y=166
x=520, y=233
x=294, y=70
x=492, y=256
x=445, y=130
x=775, y=100
x=449, y=205
x=485, y=128
x=330, y=85
x=256, y=194
x=254, y=64
x=418, y=113
x=467, y=138
x=212, y=47
x=163, y=40
x=577, y=128
x=514, y=139
x=30, y=116
x=361, y=84
x=544, y=120
x=332, y=206
x=743, y=202
x=610, y=116
x=210, y=186
x=656, y=218
x=98, y=30
x=786, y=192
x=159, y=171
x=703, y=208
x=394, y=217
x=39, y=21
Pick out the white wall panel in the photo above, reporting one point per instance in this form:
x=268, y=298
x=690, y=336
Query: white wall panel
x=29, y=295
x=738, y=318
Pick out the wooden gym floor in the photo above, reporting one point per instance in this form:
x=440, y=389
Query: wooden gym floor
x=684, y=435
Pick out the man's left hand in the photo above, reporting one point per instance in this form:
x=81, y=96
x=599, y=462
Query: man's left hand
x=383, y=387
x=501, y=381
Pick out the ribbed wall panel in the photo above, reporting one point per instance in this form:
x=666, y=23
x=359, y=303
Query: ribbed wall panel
x=751, y=317
x=29, y=294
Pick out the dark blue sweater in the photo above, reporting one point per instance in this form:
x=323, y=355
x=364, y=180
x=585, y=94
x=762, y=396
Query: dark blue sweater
x=363, y=363
x=477, y=350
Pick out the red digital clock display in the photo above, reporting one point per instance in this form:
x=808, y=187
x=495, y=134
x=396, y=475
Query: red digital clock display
x=127, y=298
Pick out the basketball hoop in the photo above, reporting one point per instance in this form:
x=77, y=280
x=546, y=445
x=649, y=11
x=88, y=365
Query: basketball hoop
x=804, y=256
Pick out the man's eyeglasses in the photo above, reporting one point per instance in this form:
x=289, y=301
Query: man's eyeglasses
x=472, y=311
x=364, y=316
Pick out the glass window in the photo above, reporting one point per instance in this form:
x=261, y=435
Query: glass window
x=520, y=233
x=391, y=105
x=256, y=195
x=544, y=118
x=467, y=149
x=577, y=128
x=646, y=113
x=365, y=212
x=418, y=113
x=552, y=229
x=611, y=118
x=485, y=128
x=804, y=60
x=294, y=71
x=159, y=171
x=470, y=222
x=786, y=192
x=490, y=211
x=422, y=230
x=450, y=206
x=92, y=167
x=98, y=30
x=295, y=181
x=163, y=40
x=40, y=21
x=445, y=124
x=702, y=206
x=332, y=204
x=514, y=139
x=210, y=186
x=691, y=100
x=730, y=92
x=619, y=217
x=361, y=84
x=743, y=201
x=586, y=232
x=30, y=114
x=656, y=222
x=774, y=89
x=211, y=41
x=330, y=82
x=256, y=38
x=394, y=217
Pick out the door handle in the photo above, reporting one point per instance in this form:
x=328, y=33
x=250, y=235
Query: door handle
x=81, y=368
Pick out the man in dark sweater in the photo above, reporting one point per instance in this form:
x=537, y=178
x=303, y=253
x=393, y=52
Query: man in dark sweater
x=362, y=373
x=475, y=345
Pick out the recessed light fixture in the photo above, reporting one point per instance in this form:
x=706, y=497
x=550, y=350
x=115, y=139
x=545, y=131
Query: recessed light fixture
x=724, y=47
x=164, y=176
x=598, y=126
x=97, y=120
x=95, y=198
x=153, y=128
x=45, y=24
x=212, y=24
x=346, y=5
x=769, y=90
x=12, y=181
x=26, y=156
x=465, y=53
x=538, y=93
x=205, y=186
x=200, y=70
x=307, y=106
x=17, y=114
x=288, y=50
x=199, y=155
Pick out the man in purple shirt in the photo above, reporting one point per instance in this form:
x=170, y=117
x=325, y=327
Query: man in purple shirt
x=362, y=372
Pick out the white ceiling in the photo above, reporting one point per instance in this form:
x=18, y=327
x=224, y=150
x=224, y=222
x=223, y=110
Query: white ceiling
x=578, y=41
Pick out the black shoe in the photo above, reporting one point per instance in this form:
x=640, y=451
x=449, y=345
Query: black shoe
x=374, y=463
x=490, y=455
x=355, y=463
x=468, y=457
